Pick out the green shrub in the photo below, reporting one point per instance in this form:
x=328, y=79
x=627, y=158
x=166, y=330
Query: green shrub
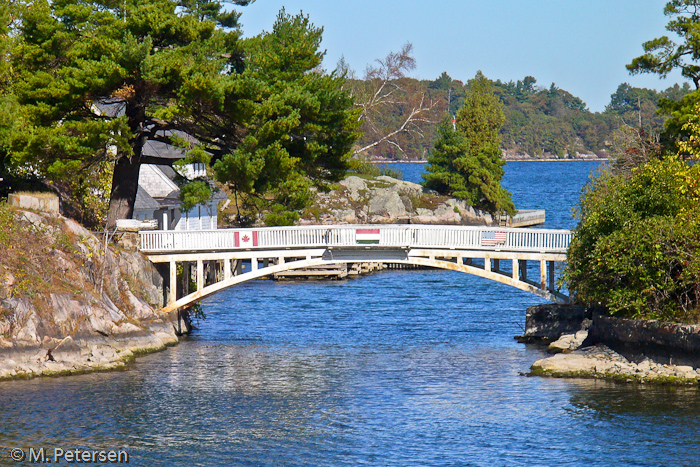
x=389, y=172
x=636, y=249
x=364, y=167
x=280, y=216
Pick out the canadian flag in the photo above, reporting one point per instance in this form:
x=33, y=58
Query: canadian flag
x=246, y=239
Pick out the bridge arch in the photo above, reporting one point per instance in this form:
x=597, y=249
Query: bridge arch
x=473, y=250
x=494, y=274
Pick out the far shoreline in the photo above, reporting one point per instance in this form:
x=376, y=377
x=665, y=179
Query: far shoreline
x=530, y=159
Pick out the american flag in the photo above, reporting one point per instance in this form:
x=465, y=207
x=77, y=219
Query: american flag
x=493, y=238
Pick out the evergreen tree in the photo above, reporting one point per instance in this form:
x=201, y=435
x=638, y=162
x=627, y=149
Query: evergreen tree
x=260, y=111
x=297, y=123
x=7, y=13
x=466, y=161
x=155, y=60
x=663, y=55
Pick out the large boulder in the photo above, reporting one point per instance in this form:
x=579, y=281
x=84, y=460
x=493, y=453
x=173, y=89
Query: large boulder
x=387, y=203
x=95, y=307
x=568, y=342
x=355, y=186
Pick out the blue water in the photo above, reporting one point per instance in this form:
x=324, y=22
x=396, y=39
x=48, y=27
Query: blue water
x=400, y=368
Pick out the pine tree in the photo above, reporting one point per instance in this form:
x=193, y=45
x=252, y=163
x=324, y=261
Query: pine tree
x=466, y=160
x=154, y=60
x=261, y=110
x=298, y=124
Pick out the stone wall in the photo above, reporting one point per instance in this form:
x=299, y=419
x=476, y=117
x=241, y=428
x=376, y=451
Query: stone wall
x=547, y=323
x=44, y=202
x=666, y=341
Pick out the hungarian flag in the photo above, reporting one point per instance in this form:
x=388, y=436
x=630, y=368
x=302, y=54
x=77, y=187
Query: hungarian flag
x=367, y=236
x=246, y=239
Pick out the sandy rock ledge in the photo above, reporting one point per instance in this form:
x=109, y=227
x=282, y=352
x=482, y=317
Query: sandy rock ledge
x=56, y=357
x=601, y=362
x=589, y=344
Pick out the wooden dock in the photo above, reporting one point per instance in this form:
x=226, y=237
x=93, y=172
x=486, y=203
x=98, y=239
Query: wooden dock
x=526, y=218
x=338, y=271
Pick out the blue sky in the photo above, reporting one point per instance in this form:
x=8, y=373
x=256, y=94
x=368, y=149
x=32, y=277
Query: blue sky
x=580, y=45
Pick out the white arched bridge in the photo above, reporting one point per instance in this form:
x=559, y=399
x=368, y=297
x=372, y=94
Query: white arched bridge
x=239, y=255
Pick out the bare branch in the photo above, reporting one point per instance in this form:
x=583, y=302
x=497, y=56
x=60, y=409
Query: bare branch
x=411, y=124
x=383, y=93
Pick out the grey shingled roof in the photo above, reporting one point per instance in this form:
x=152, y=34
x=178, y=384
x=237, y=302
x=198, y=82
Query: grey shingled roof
x=144, y=200
x=162, y=150
x=216, y=193
x=115, y=108
x=168, y=171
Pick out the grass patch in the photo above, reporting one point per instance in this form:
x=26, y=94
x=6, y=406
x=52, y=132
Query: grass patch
x=426, y=201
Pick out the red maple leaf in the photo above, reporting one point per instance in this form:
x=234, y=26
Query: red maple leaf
x=245, y=238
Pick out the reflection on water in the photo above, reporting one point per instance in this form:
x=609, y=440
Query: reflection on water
x=403, y=368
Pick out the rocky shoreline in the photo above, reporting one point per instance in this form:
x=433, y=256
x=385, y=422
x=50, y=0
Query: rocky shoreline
x=588, y=344
x=69, y=305
x=59, y=357
x=507, y=157
x=601, y=362
x=387, y=200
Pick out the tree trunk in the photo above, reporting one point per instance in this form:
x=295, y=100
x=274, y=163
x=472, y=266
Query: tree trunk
x=125, y=180
x=125, y=183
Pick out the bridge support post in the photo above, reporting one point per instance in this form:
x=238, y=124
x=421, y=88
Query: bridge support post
x=172, y=294
x=253, y=264
x=200, y=275
x=551, y=276
x=516, y=267
x=523, y=268
x=497, y=265
x=186, y=278
x=487, y=264
x=227, y=268
x=543, y=274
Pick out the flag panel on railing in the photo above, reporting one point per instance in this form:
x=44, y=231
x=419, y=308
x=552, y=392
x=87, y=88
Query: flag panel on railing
x=493, y=238
x=246, y=239
x=367, y=236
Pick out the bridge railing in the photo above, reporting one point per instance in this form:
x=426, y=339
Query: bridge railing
x=411, y=236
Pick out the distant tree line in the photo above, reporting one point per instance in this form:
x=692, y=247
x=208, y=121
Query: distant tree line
x=539, y=121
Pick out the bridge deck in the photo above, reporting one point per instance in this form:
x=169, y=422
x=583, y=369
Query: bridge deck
x=374, y=236
x=272, y=250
